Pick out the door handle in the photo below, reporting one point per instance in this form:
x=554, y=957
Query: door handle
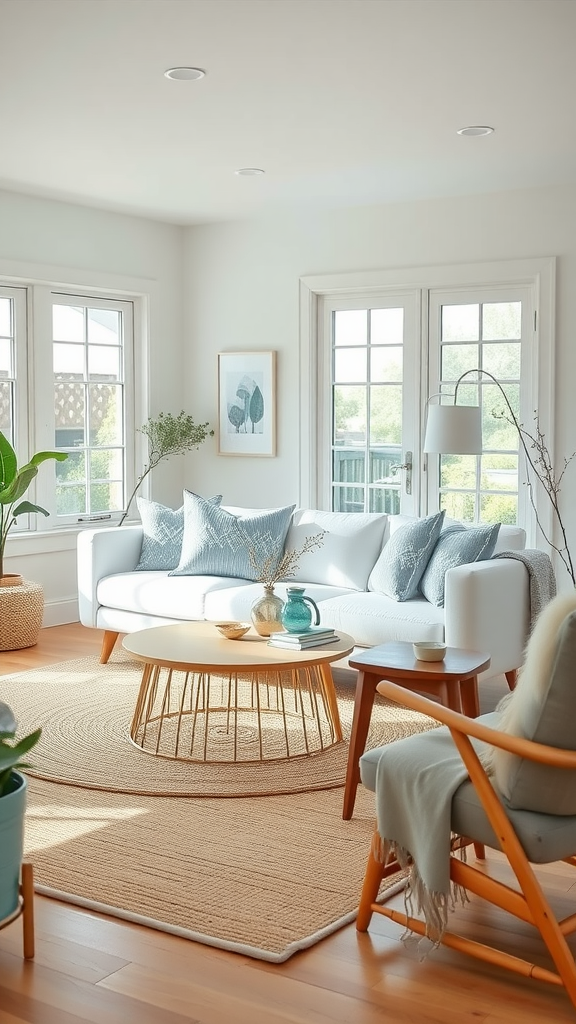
x=407, y=465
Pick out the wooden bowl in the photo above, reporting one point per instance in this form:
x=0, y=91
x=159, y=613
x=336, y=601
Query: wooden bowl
x=232, y=630
x=428, y=650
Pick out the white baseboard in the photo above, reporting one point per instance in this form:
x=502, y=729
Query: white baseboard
x=58, y=613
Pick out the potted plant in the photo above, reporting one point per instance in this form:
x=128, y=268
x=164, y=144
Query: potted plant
x=21, y=601
x=12, y=808
x=14, y=483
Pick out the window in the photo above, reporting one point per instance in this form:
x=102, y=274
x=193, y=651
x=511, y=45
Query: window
x=89, y=373
x=491, y=331
x=68, y=385
x=13, y=417
x=376, y=346
x=371, y=349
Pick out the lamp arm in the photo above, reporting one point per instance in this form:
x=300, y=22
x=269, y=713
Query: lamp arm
x=547, y=480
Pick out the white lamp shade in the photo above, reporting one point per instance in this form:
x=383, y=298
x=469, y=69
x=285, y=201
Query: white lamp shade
x=453, y=430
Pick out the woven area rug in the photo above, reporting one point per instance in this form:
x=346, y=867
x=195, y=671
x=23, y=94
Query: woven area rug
x=85, y=710
x=263, y=877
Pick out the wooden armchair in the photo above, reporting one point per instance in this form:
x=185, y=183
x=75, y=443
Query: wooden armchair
x=524, y=836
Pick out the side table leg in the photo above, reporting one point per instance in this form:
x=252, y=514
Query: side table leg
x=363, y=704
x=469, y=695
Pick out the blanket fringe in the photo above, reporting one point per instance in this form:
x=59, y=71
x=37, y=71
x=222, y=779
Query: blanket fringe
x=418, y=900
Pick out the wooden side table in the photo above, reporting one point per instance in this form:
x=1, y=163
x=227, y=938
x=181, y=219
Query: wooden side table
x=454, y=681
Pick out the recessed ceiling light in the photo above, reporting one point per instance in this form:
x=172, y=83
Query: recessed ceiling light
x=247, y=171
x=475, y=129
x=184, y=74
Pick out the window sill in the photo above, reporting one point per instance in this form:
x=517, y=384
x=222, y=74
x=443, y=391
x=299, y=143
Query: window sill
x=37, y=542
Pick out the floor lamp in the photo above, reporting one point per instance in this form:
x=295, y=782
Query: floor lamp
x=457, y=430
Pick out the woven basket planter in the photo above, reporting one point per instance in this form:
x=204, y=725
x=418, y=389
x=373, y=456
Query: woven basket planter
x=21, y=611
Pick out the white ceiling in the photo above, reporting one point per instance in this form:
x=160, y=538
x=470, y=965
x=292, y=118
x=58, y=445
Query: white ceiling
x=341, y=102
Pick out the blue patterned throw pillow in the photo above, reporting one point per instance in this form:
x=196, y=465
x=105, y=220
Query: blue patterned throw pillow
x=216, y=542
x=457, y=545
x=162, y=537
x=404, y=558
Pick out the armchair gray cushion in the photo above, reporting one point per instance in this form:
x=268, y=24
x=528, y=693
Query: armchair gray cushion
x=544, y=837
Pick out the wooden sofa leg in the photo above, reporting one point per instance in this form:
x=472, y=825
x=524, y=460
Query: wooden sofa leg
x=108, y=641
x=511, y=678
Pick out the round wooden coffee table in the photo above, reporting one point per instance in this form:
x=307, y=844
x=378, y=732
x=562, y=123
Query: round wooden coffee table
x=203, y=698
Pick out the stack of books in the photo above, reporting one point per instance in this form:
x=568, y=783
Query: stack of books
x=315, y=636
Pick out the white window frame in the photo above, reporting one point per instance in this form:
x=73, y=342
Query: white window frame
x=537, y=388
x=410, y=302
x=35, y=407
x=18, y=295
x=42, y=300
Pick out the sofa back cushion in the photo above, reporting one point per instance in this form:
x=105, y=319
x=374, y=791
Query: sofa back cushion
x=218, y=543
x=541, y=708
x=352, y=542
x=404, y=558
x=162, y=533
x=456, y=545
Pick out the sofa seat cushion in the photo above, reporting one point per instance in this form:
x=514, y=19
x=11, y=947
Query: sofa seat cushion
x=375, y=619
x=235, y=602
x=157, y=593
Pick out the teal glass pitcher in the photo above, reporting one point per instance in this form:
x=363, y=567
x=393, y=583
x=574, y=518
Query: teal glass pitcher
x=296, y=614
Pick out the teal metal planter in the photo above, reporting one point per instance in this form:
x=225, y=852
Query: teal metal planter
x=12, y=810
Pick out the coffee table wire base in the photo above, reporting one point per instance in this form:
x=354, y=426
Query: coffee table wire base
x=236, y=717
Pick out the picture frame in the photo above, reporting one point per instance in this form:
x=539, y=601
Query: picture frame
x=247, y=403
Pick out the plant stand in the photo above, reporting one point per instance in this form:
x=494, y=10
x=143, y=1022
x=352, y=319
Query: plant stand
x=21, y=611
x=25, y=910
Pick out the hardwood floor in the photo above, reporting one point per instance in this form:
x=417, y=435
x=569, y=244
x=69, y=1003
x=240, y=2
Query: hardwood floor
x=90, y=968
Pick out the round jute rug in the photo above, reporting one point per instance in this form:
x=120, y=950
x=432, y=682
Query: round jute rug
x=85, y=709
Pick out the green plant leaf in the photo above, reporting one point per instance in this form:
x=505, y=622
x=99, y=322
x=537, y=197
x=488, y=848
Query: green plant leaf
x=8, y=462
x=27, y=506
x=19, y=485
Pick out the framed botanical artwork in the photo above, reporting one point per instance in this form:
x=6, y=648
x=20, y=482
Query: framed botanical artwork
x=247, y=403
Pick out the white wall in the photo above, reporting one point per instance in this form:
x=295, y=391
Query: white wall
x=241, y=293
x=59, y=241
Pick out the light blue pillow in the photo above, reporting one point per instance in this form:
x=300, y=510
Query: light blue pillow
x=162, y=537
x=404, y=558
x=216, y=543
x=457, y=545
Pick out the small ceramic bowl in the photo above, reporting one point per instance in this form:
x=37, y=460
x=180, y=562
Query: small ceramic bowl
x=428, y=650
x=232, y=630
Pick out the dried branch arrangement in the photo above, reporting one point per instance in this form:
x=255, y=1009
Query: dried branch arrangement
x=272, y=569
x=540, y=462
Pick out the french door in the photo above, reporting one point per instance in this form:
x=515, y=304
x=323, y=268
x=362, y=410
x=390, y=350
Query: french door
x=369, y=402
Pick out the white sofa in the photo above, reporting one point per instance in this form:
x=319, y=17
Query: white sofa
x=486, y=602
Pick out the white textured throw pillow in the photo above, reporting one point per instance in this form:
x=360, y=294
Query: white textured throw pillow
x=351, y=544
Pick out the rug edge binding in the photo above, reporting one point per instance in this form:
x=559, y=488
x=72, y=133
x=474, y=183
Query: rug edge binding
x=208, y=940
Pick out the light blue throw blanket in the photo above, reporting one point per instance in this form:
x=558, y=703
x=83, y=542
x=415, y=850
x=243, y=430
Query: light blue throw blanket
x=416, y=779
x=542, y=581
